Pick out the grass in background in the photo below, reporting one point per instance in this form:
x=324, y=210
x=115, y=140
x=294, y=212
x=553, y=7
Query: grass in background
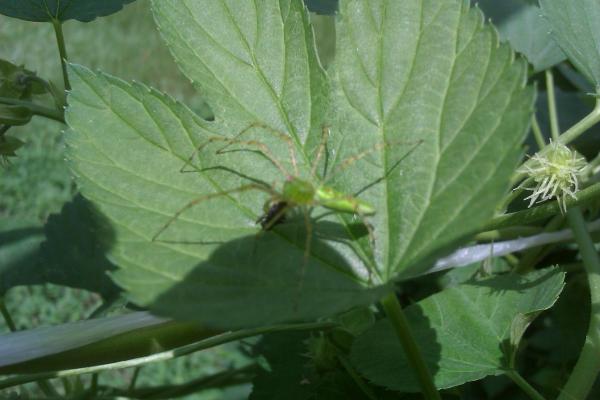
x=38, y=182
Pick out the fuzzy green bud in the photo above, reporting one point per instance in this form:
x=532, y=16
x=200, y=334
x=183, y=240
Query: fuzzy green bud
x=553, y=174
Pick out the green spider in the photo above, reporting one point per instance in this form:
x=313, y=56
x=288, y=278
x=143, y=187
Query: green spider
x=294, y=192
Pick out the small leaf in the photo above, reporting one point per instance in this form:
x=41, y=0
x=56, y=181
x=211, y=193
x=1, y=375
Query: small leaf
x=529, y=34
x=9, y=145
x=16, y=82
x=464, y=332
x=62, y=10
x=574, y=27
x=287, y=368
x=14, y=115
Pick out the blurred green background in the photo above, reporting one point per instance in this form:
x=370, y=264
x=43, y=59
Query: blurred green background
x=37, y=182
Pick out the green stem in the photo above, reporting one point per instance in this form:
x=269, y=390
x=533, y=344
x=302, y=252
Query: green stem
x=35, y=109
x=94, y=384
x=512, y=232
x=516, y=192
x=546, y=210
x=586, y=370
x=571, y=134
x=62, y=49
x=170, y=354
x=6, y=316
x=356, y=377
x=136, y=373
x=413, y=354
x=537, y=132
x=524, y=385
x=554, y=128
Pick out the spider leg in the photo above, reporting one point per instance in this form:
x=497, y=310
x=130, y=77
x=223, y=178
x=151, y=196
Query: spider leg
x=198, y=200
x=262, y=149
x=348, y=162
x=320, y=150
x=281, y=135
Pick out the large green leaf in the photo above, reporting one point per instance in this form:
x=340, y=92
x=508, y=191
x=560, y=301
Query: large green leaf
x=465, y=332
x=62, y=10
x=127, y=146
x=574, y=25
x=432, y=71
x=398, y=78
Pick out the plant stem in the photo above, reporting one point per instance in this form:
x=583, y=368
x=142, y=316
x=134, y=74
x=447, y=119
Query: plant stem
x=516, y=192
x=537, y=132
x=136, y=373
x=60, y=40
x=587, y=368
x=524, y=385
x=6, y=316
x=571, y=134
x=554, y=128
x=35, y=108
x=413, y=354
x=170, y=354
x=356, y=377
x=546, y=210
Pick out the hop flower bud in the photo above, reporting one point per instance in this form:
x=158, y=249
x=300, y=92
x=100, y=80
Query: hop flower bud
x=555, y=173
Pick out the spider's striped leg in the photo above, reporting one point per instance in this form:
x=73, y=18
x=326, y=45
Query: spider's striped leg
x=198, y=200
x=272, y=131
x=262, y=149
x=348, y=162
x=320, y=150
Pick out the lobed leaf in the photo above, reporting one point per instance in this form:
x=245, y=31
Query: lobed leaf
x=127, y=146
x=465, y=332
x=406, y=72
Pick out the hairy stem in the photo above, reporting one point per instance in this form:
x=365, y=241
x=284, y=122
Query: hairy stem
x=554, y=127
x=62, y=49
x=524, y=385
x=6, y=315
x=415, y=359
x=546, y=210
x=586, y=370
x=537, y=132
